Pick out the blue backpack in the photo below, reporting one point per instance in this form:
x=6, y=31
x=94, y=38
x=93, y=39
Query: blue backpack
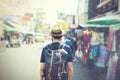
x=56, y=60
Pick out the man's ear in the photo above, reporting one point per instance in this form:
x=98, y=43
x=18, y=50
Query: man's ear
x=52, y=38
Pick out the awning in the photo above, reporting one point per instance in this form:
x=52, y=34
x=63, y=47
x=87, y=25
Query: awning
x=18, y=27
x=94, y=25
x=115, y=27
x=8, y=28
x=107, y=20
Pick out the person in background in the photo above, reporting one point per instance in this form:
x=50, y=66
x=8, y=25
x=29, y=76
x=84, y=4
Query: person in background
x=67, y=41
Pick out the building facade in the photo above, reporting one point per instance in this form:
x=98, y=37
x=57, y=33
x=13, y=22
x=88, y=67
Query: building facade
x=101, y=8
x=82, y=11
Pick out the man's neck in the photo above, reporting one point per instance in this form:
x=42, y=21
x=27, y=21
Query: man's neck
x=56, y=40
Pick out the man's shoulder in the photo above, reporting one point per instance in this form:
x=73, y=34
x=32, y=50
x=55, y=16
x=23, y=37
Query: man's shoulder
x=62, y=45
x=47, y=46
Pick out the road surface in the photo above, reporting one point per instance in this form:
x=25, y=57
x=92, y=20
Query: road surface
x=22, y=63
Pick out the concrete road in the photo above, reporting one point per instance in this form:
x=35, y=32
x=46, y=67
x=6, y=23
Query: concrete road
x=22, y=63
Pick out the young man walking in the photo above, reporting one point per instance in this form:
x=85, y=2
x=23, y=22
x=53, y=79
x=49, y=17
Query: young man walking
x=56, y=58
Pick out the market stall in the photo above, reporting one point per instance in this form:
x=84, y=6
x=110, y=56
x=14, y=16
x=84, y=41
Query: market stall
x=113, y=47
x=103, y=50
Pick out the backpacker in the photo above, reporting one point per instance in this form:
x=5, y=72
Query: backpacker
x=55, y=67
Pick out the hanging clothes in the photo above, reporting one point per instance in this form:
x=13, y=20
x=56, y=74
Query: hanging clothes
x=101, y=57
x=92, y=56
x=102, y=40
x=117, y=77
x=112, y=67
x=86, y=36
x=112, y=61
x=110, y=39
x=93, y=50
x=94, y=43
x=118, y=42
x=95, y=39
x=116, y=68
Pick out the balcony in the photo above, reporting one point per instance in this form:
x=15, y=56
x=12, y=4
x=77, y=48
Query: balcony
x=103, y=3
x=108, y=5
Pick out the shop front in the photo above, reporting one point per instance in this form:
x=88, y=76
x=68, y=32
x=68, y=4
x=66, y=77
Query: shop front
x=113, y=47
x=99, y=45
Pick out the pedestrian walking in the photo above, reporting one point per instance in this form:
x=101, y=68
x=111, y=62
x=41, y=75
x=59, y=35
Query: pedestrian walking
x=67, y=41
x=56, y=58
x=28, y=40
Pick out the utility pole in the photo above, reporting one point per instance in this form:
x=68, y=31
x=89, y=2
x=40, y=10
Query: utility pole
x=78, y=9
x=119, y=5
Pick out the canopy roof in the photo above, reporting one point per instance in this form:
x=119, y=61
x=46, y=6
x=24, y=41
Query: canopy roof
x=115, y=27
x=18, y=27
x=9, y=28
x=107, y=20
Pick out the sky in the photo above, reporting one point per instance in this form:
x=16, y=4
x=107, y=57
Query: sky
x=54, y=5
x=51, y=7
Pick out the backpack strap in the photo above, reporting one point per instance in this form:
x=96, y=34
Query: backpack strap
x=49, y=47
x=50, y=68
x=61, y=46
x=51, y=60
x=60, y=64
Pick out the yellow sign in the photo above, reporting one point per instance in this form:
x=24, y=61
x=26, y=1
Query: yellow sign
x=64, y=25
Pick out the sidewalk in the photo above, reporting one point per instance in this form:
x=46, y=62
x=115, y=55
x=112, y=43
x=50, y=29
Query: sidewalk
x=95, y=72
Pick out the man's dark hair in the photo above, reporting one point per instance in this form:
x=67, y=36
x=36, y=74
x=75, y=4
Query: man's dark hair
x=57, y=37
